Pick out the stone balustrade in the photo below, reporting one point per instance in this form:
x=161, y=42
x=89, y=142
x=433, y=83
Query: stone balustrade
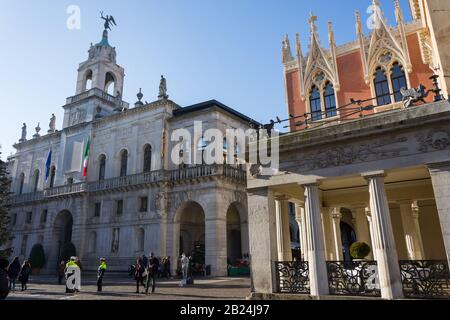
x=97, y=93
x=139, y=180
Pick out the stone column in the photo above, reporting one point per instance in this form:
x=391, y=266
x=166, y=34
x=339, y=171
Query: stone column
x=300, y=218
x=262, y=240
x=316, y=251
x=283, y=234
x=369, y=221
x=363, y=233
x=440, y=177
x=410, y=221
x=327, y=230
x=383, y=237
x=337, y=240
x=216, y=245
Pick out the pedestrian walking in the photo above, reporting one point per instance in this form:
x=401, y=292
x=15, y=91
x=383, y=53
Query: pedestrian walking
x=139, y=273
x=13, y=273
x=184, y=268
x=4, y=282
x=25, y=274
x=100, y=274
x=153, y=267
x=60, y=271
x=167, y=268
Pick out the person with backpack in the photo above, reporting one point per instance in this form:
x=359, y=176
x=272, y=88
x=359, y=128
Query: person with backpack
x=139, y=273
x=153, y=266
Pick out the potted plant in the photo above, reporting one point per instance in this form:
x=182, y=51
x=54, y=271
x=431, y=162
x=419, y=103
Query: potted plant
x=359, y=251
x=37, y=258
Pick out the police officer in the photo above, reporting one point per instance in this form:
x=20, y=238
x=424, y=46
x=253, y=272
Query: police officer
x=101, y=273
x=72, y=264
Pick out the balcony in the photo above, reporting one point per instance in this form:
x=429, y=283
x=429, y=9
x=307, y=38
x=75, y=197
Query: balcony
x=136, y=181
x=95, y=92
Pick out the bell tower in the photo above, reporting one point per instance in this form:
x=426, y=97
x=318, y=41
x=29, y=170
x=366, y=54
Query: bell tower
x=100, y=70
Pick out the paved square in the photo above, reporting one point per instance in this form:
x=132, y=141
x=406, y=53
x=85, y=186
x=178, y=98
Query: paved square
x=123, y=287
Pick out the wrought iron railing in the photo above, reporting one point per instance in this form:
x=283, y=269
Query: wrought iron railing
x=425, y=278
x=292, y=276
x=353, y=278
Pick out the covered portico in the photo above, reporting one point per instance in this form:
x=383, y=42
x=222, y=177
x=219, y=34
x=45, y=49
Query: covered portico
x=387, y=179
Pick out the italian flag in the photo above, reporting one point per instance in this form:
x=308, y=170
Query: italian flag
x=86, y=156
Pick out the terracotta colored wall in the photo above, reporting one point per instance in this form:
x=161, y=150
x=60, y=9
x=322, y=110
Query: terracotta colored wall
x=351, y=77
x=421, y=72
x=295, y=104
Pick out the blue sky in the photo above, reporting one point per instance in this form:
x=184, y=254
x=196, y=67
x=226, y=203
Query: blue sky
x=207, y=49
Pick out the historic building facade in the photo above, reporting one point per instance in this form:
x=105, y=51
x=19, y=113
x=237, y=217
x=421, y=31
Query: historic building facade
x=375, y=170
x=133, y=198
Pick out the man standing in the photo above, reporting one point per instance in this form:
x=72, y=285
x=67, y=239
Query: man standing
x=73, y=276
x=100, y=274
x=184, y=268
x=153, y=264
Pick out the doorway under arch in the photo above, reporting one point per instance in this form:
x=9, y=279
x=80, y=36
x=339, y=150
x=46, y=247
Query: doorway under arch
x=62, y=232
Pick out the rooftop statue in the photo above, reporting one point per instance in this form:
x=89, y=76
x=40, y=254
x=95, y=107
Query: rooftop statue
x=108, y=19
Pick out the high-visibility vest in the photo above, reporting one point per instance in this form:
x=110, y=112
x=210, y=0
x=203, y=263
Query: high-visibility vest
x=71, y=263
x=102, y=265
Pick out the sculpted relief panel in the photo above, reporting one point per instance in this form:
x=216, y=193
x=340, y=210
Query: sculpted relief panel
x=436, y=139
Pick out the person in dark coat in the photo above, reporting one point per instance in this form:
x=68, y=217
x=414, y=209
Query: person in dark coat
x=4, y=281
x=13, y=273
x=153, y=266
x=25, y=274
x=60, y=271
x=167, y=268
x=139, y=273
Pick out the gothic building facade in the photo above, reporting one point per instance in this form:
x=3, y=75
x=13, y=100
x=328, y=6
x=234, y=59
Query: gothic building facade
x=132, y=199
x=361, y=164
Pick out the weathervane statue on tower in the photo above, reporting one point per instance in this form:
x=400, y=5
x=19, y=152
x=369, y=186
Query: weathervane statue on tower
x=108, y=19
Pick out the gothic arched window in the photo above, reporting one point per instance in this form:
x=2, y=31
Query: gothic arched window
x=123, y=163
x=381, y=87
x=36, y=180
x=314, y=102
x=101, y=167
x=398, y=79
x=330, y=100
x=147, y=158
x=52, y=176
x=21, y=182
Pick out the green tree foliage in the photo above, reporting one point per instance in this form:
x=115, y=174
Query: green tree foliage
x=359, y=250
x=5, y=232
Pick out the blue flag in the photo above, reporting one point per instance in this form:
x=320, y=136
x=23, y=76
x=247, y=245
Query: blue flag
x=48, y=163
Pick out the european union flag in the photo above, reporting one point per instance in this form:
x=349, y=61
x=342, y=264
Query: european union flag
x=48, y=163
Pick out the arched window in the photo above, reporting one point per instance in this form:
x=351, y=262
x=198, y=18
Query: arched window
x=140, y=240
x=52, y=176
x=330, y=100
x=147, y=158
x=92, y=242
x=123, y=163
x=88, y=80
x=110, y=83
x=314, y=102
x=101, y=167
x=381, y=87
x=36, y=180
x=21, y=182
x=398, y=80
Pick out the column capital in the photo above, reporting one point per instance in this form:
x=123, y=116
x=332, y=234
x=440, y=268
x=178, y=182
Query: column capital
x=367, y=211
x=336, y=213
x=280, y=197
x=373, y=174
x=415, y=209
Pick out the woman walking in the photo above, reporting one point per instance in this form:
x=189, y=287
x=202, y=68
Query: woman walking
x=139, y=273
x=13, y=273
x=25, y=274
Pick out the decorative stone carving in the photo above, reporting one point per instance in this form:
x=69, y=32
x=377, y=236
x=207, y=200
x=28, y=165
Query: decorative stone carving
x=338, y=156
x=255, y=170
x=24, y=133
x=77, y=116
x=38, y=128
x=434, y=140
x=51, y=126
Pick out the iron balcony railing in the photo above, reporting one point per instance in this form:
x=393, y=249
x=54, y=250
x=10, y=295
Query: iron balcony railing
x=429, y=279
x=292, y=277
x=137, y=180
x=97, y=93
